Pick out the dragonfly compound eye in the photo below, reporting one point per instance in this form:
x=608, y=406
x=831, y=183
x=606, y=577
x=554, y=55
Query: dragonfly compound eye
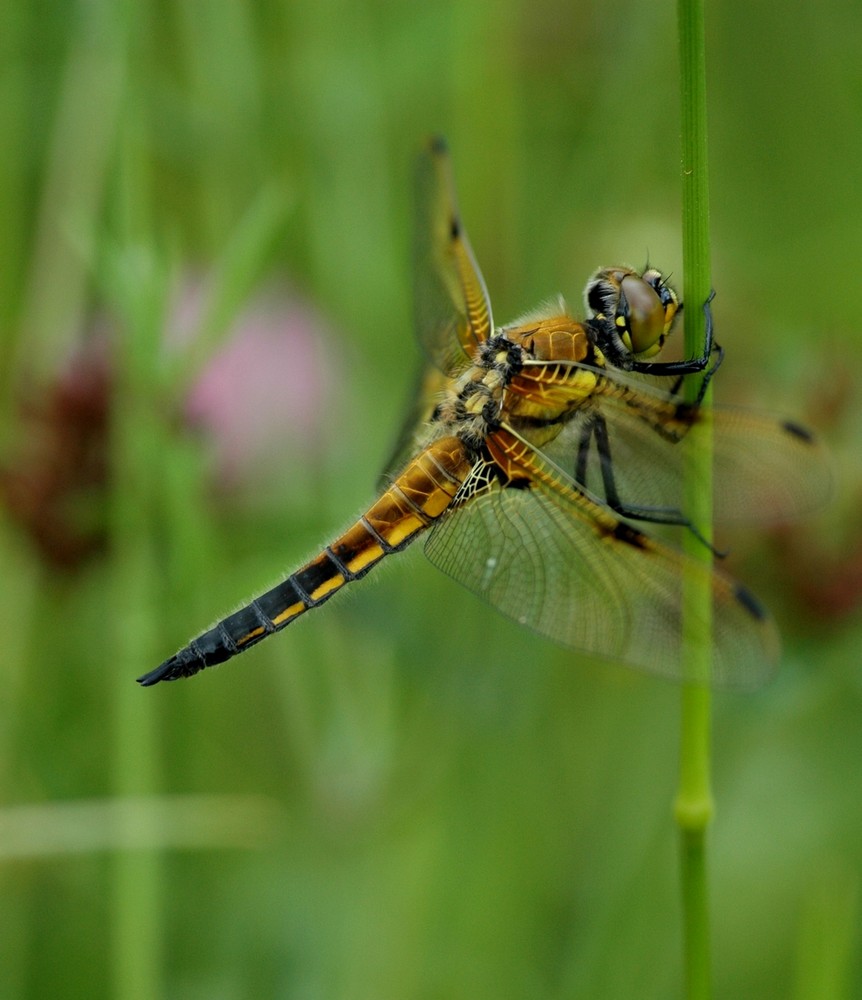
x=643, y=315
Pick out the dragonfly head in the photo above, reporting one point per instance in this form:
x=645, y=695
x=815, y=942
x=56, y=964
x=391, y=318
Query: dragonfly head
x=641, y=307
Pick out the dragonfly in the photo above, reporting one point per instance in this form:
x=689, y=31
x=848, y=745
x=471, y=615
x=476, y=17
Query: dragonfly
x=534, y=456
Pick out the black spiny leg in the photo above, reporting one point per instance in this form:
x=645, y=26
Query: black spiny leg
x=598, y=429
x=690, y=366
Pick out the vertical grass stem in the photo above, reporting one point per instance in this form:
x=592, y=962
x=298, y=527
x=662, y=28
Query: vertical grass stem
x=694, y=803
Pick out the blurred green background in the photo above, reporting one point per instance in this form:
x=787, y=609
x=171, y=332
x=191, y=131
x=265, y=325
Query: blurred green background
x=206, y=346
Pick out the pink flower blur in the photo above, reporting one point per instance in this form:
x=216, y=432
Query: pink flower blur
x=265, y=398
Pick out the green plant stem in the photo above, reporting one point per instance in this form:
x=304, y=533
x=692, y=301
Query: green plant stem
x=694, y=803
x=138, y=876
x=137, y=283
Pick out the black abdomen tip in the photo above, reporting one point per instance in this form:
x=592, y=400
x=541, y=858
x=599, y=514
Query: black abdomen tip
x=186, y=663
x=166, y=672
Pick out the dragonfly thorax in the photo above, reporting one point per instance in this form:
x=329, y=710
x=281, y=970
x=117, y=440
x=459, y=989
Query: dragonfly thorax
x=472, y=407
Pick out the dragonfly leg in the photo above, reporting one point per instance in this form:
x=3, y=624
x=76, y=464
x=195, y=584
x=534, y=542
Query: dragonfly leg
x=583, y=454
x=690, y=366
x=598, y=430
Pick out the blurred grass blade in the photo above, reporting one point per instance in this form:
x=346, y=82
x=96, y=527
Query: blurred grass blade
x=234, y=275
x=160, y=823
x=73, y=187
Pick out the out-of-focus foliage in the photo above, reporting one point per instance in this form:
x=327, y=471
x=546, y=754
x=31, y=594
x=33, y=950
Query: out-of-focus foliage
x=403, y=795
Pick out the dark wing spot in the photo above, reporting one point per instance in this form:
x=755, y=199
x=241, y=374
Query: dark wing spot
x=454, y=227
x=750, y=602
x=631, y=536
x=688, y=413
x=798, y=431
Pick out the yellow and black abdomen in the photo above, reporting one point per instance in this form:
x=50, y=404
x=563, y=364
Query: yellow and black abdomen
x=418, y=496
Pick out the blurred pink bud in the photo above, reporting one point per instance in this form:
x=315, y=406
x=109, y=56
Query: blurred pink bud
x=265, y=399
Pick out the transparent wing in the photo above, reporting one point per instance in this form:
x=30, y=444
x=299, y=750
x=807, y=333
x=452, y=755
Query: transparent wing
x=543, y=559
x=452, y=312
x=452, y=309
x=765, y=469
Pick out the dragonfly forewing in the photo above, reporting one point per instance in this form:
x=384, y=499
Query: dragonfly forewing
x=452, y=310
